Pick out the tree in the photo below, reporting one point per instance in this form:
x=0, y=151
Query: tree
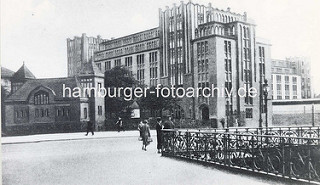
x=118, y=77
x=156, y=103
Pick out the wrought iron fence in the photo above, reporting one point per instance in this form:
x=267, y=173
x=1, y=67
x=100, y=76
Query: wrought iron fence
x=301, y=131
x=286, y=156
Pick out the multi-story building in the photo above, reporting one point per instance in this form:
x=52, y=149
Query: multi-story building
x=138, y=52
x=291, y=79
x=80, y=50
x=198, y=46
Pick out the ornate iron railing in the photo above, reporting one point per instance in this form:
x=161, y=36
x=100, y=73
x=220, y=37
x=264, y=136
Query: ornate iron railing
x=289, y=157
x=301, y=131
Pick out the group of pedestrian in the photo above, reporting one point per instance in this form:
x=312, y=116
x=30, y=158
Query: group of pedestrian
x=144, y=129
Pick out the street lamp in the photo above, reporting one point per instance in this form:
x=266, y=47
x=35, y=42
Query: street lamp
x=228, y=112
x=265, y=92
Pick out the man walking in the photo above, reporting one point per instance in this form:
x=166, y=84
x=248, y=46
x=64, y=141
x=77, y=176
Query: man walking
x=90, y=128
x=120, y=125
x=159, y=126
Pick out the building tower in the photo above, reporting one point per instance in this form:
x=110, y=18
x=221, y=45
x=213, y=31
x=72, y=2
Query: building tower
x=91, y=80
x=79, y=51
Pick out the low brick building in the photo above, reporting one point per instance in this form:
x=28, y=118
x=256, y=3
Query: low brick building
x=41, y=105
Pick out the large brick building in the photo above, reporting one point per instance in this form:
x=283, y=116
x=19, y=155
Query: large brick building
x=197, y=46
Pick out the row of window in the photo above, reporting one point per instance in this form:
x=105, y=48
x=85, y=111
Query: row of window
x=41, y=98
x=202, y=49
x=286, y=79
x=41, y=113
x=128, y=50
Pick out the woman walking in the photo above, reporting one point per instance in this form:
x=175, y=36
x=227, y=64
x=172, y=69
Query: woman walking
x=145, y=134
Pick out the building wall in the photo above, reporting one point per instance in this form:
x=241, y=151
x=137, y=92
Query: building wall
x=296, y=112
x=142, y=47
x=293, y=67
x=81, y=50
x=181, y=28
x=51, y=113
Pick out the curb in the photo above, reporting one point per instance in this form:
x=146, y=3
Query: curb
x=68, y=139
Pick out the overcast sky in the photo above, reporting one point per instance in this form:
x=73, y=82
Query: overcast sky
x=35, y=31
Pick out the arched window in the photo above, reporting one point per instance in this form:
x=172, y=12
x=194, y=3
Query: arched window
x=216, y=30
x=41, y=97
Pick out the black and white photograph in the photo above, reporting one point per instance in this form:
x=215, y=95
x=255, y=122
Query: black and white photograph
x=160, y=92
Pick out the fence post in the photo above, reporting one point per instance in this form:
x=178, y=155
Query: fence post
x=313, y=115
x=187, y=137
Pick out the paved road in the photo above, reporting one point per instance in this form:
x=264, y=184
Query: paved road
x=107, y=161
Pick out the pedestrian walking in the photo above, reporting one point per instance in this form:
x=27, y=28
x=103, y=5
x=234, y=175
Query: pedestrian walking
x=119, y=124
x=145, y=131
x=159, y=127
x=90, y=128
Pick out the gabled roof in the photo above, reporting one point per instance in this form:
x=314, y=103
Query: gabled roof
x=90, y=68
x=54, y=84
x=23, y=73
x=6, y=73
x=134, y=105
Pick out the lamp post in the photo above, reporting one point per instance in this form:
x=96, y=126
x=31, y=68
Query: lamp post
x=260, y=105
x=265, y=92
x=228, y=112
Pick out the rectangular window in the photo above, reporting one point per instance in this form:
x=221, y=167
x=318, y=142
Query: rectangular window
x=117, y=62
x=248, y=112
x=99, y=65
x=294, y=80
x=100, y=110
x=278, y=78
x=107, y=65
x=85, y=113
x=286, y=79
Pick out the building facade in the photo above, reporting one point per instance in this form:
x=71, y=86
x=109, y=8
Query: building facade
x=139, y=53
x=80, y=50
x=49, y=104
x=291, y=79
x=198, y=46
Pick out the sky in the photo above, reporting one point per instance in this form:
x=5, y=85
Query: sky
x=35, y=31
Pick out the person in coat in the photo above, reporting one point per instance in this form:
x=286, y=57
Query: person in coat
x=90, y=128
x=159, y=127
x=145, y=131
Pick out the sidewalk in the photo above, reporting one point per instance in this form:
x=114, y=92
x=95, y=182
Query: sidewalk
x=69, y=136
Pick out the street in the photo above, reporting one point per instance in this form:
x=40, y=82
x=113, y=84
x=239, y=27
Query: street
x=107, y=161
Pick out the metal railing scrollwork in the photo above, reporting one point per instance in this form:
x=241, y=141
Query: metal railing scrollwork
x=287, y=155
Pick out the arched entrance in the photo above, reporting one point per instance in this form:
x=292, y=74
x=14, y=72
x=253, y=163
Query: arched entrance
x=204, y=112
